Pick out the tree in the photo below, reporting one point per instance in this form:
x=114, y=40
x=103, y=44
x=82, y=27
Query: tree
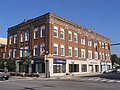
x=115, y=59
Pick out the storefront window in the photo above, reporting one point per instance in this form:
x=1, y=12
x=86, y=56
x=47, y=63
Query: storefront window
x=73, y=67
x=59, y=68
x=84, y=68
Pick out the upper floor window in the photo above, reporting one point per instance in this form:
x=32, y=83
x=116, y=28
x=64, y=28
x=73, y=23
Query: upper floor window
x=62, y=50
x=76, y=52
x=10, y=53
x=62, y=33
x=35, y=53
x=35, y=33
x=83, y=40
x=96, y=55
x=55, y=31
x=22, y=51
x=43, y=31
x=42, y=49
x=10, y=40
x=75, y=38
x=100, y=56
x=22, y=37
x=69, y=35
x=55, y=49
x=103, y=45
x=89, y=54
x=89, y=42
x=15, y=38
x=27, y=36
x=14, y=53
x=95, y=43
x=70, y=51
x=83, y=53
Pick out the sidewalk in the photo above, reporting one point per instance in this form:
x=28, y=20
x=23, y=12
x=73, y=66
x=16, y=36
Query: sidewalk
x=56, y=77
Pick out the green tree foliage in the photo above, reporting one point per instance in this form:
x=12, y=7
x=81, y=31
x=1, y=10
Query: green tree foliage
x=115, y=59
x=8, y=63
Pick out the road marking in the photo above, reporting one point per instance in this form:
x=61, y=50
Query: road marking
x=112, y=81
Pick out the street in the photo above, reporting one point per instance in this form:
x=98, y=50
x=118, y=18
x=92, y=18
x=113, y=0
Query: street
x=56, y=84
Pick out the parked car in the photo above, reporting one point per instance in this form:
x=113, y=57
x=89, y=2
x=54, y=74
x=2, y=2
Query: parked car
x=4, y=74
x=111, y=71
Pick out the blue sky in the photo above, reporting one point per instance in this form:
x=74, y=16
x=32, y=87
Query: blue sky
x=101, y=16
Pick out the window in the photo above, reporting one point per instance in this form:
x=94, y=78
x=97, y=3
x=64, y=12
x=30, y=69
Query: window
x=21, y=52
x=76, y=52
x=10, y=53
x=35, y=33
x=103, y=56
x=69, y=35
x=83, y=68
x=59, y=68
x=83, y=40
x=82, y=53
x=55, y=49
x=102, y=45
x=100, y=56
x=22, y=37
x=42, y=49
x=26, y=51
x=15, y=38
x=62, y=33
x=43, y=31
x=89, y=42
x=73, y=67
x=27, y=36
x=70, y=51
x=10, y=39
x=89, y=54
x=55, y=31
x=95, y=43
x=75, y=38
x=62, y=50
x=35, y=50
x=96, y=55
x=14, y=53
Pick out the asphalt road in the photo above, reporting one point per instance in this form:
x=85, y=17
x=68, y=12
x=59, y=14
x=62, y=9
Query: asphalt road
x=28, y=84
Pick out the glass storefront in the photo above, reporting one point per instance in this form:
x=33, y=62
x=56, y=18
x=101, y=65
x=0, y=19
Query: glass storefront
x=83, y=67
x=73, y=67
x=59, y=65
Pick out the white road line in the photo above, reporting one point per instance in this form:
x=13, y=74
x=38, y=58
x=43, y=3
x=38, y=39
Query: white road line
x=118, y=81
x=98, y=79
x=103, y=80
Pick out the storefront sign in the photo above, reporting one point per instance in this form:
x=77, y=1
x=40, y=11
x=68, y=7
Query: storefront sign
x=59, y=61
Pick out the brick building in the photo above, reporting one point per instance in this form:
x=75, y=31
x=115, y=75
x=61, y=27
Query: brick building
x=70, y=48
x=3, y=49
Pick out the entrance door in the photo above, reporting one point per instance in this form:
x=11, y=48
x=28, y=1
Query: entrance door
x=96, y=68
x=90, y=68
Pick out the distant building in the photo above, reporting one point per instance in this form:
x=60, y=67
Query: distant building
x=70, y=48
x=3, y=44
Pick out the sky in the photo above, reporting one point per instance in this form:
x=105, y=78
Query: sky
x=100, y=16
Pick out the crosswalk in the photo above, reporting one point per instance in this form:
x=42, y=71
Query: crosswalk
x=97, y=79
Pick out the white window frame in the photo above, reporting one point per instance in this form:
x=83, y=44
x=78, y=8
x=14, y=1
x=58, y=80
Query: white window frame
x=102, y=45
x=27, y=34
x=83, y=50
x=89, y=42
x=15, y=50
x=56, y=45
x=42, y=48
x=95, y=43
x=10, y=40
x=70, y=51
x=89, y=54
x=43, y=30
x=70, y=35
x=35, y=30
x=75, y=38
x=21, y=51
x=15, y=38
x=83, y=40
x=96, y=55
x=76, y=51
x=55, y=31
x=22, y=37
x=34, y=54
x=62, y=53
x=10, y=53
x=61, y=33
x=100, y=56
